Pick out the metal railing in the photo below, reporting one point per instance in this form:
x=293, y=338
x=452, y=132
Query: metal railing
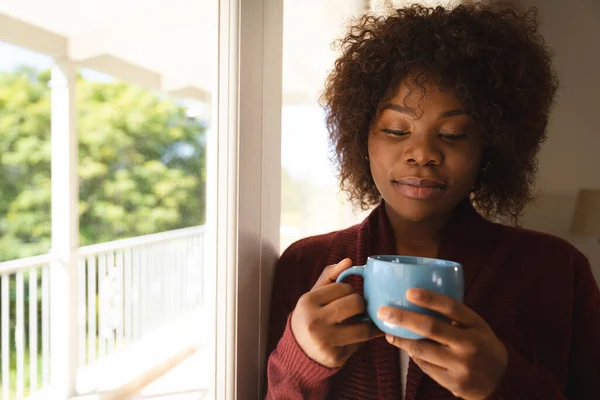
x=126, y=290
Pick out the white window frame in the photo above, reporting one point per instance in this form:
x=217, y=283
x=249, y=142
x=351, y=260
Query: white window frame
x=243, y=183
x=244, y=167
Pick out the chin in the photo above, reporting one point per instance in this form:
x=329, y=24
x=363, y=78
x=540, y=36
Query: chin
x=417, y=211
x=414, y=210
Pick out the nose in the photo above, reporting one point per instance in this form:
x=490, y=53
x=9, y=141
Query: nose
x=422, y=151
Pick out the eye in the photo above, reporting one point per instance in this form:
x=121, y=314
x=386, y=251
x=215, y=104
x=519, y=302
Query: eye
x=454, y=137
x=393, y=132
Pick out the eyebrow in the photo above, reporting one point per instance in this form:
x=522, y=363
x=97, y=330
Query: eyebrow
x=452, y=113
x=408, y=111
x=399, y=108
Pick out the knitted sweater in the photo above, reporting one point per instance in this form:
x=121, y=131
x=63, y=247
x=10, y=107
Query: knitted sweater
x=536, y=292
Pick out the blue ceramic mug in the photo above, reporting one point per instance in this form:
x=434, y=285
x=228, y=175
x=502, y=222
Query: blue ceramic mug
x=387, y=278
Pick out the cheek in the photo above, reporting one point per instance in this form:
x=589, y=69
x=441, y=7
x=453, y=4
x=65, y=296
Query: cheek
x=466, y=165
x=381, y=159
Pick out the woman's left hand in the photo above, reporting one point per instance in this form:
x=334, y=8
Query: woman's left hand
x=465, y=357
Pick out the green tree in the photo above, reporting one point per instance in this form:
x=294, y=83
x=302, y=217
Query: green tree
x=24, y=164
x=141, y=163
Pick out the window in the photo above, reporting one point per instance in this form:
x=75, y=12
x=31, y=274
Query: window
x=118, y=106
x=311, y=201
x=169, y=83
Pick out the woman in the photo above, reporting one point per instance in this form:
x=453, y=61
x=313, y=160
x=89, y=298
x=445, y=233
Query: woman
x=437, y=115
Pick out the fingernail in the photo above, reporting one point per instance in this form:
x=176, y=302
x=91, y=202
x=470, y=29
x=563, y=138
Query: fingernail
x=383, y=313
x=414, y=294
x=389, y=337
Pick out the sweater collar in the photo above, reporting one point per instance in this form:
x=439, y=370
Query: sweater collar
x=467, y=239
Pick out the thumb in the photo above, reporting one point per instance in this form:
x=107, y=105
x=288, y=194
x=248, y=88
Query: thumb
x=331, y=272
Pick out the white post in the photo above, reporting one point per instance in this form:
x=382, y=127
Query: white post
x=65, y=232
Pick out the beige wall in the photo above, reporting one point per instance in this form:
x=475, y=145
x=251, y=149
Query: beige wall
x=569, y=159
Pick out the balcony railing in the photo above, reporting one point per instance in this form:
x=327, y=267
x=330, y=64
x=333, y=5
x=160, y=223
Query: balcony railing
x=12, y=275
x=127, y=290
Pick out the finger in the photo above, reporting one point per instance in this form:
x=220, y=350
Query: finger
x=343, y=308
x=445, y=305
x=375, y=332
x=424, y=325
x=348, y=334
x=426, y=350
x=444, y=377
x=331, y=272
x=437, y=373
x=326, y=294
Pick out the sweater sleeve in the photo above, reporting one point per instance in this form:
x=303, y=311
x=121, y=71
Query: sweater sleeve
x=291, y=374
x=522, y=380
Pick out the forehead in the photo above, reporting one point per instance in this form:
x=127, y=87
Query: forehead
x=424, y=94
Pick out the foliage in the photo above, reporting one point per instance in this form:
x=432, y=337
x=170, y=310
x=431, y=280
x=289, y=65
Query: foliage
x=141, y=163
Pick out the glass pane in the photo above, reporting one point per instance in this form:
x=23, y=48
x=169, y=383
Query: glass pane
x=144, y=113
x=311, y=201
x=142, y=157
x=145, y=73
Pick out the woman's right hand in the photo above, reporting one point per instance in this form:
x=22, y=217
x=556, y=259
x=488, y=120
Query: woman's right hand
x=319, y=319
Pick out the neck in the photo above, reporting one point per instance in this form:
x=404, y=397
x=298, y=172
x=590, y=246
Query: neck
x=420, y=238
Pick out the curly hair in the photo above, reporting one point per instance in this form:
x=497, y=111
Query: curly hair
x=492, y=57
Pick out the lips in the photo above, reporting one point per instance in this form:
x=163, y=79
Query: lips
x=419, y=188
x=421, y=182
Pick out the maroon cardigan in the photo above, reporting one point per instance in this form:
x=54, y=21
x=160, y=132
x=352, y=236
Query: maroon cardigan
x=537, y=293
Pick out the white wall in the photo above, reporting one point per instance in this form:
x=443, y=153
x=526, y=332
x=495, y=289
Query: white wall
x=569, y=159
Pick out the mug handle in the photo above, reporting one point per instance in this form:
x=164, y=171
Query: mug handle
x=358, y=270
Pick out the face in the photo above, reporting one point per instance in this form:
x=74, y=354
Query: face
x=424, y=153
